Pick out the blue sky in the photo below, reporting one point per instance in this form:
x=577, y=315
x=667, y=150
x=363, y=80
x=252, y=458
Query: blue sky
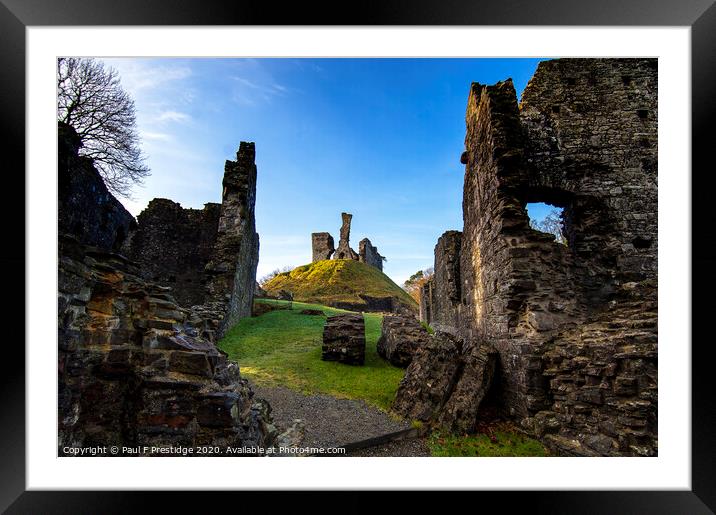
x=379, y=138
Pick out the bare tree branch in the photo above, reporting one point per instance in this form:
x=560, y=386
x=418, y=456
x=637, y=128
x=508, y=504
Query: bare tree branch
x=90, y=98
x=551, y=224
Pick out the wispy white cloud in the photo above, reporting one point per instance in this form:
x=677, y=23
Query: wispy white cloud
x=246, y=82
x=155, y=136
x=162, y=90
x=173, y=116
x=138, y=75
x=250, y=92
x=304, y=64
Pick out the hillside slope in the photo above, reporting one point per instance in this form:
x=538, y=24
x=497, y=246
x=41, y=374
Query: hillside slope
x=343, y=283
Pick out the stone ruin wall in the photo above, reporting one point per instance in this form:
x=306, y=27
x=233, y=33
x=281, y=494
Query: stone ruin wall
x=344, y=250
x=444, y=289
x=174, y=245
x=232, y=269
x=85, y=207
x=369, y=254
x=206, y=256
x=510, y=273
x=573, y=325
x=322, y=246
x=135, y=366
x=591, y=127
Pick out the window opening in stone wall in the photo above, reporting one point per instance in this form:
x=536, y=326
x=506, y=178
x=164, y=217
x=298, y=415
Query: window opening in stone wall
x=548, y=219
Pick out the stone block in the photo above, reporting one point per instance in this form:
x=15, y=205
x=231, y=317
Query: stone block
x=192, y=363
x=400, y=339
x=344, y=339
x=218, y=409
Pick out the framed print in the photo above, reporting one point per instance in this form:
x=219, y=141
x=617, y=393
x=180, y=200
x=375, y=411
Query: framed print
x=522, y=185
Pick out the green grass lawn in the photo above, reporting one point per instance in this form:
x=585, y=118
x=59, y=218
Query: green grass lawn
x=505, y=442
x=283, y=347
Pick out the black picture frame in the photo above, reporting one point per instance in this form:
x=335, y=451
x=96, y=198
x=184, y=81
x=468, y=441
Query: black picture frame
x=700, y=15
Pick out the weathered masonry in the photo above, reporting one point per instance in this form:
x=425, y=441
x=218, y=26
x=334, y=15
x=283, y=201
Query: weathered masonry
x=140, y=307
x=344, y=250
x=575, y=325
x=174, y=245
x=207, y=255
x=368, y=254
x=322, y=246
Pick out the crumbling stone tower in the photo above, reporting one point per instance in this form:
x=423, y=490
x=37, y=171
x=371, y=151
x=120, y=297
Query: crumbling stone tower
x=369, y=255
x=232, y=269
x=322, y=246
x=575, y=325
x=344, y=250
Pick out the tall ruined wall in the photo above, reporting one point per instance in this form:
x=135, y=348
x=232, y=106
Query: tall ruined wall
x=174, y=245
x=446, y=290
x=344, y=250
x=85, y=206
x=575, y=324
x=134, y=367
x=210, y=255
x=516, y=281
x=369, y=254
x=322, y=246
x=591, y=127
x=232, y=269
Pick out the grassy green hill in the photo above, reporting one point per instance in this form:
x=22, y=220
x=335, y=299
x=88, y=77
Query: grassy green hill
x=339, y=282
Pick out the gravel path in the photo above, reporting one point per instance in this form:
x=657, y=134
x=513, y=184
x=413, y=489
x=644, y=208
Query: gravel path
x=333, y=422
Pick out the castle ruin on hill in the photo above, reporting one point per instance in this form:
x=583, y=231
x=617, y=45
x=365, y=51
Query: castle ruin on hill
x=574, y=327
x=323, y=246
x=561, y=339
